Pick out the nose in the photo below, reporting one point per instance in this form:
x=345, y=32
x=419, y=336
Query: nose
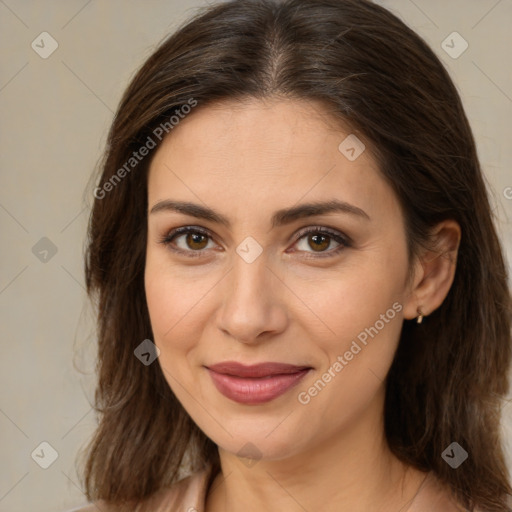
x=253, y=302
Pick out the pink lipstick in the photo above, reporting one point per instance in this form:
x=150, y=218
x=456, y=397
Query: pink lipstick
x=255, y=384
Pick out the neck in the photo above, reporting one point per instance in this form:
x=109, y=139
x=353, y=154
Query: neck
x=352, y=470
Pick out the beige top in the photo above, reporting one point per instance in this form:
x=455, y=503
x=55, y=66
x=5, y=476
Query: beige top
x=189, y=495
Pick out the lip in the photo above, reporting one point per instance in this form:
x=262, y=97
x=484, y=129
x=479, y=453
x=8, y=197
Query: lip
x=255, y=384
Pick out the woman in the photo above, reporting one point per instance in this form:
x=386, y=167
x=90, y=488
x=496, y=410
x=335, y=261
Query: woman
x=302, y=298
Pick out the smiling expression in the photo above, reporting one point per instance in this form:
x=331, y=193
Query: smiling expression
x=253, y=275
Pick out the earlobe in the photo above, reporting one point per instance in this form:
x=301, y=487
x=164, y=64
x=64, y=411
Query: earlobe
x=435, y=271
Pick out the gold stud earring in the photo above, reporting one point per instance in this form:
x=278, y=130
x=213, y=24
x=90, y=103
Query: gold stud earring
x=419, y=318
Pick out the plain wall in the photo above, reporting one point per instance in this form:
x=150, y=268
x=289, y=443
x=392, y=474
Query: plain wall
x=55, y=116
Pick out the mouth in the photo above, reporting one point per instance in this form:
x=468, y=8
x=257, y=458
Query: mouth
x=255, y=384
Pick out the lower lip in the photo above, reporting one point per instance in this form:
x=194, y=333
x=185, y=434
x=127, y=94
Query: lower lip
x=255, y=391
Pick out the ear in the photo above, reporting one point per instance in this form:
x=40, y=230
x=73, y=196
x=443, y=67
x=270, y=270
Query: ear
x=434, y=270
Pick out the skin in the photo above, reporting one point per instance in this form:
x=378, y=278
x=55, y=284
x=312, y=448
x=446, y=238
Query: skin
x=247, y=160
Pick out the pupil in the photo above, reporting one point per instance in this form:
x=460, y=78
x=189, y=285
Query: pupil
x=316, y=237
x=195, y=238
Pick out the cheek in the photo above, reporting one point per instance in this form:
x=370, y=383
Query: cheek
x=168, y=307
x=360, y=313
x=354, y=298
x=167, y=303
x=356, y=352
x=364, y=331
x=177, y=298
x=172, y=297
x=163, y=306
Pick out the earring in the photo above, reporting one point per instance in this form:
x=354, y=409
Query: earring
x=419, y=318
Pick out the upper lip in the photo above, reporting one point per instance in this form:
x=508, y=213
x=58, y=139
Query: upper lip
x=255, y=370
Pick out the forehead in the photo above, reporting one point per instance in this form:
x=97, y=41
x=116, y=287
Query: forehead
x=279, y=152
x=264, y=130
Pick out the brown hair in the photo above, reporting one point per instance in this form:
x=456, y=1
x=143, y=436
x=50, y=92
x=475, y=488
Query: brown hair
x=377, y=76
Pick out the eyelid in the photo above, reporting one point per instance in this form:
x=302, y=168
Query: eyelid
x=341, y=238
x=167, y=239
x=332, y=232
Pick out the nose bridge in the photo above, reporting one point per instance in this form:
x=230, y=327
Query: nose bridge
x=250, y=305
x=249, y=281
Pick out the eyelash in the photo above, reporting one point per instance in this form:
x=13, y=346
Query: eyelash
x=343, y=240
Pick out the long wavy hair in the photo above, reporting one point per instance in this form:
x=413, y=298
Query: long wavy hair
x=377, y=76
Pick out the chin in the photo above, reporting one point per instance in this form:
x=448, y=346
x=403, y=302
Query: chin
x=259, y=440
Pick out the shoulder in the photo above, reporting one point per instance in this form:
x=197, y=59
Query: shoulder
x=434, y=495
x=187, y=493
x=91, y=507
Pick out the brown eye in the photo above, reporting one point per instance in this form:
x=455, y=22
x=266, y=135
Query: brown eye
x=318, y=240
x=196, y=241
x=188, y=240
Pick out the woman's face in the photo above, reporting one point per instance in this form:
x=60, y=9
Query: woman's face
x=250, y=285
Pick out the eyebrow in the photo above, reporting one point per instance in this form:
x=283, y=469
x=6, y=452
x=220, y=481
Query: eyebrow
x=279, y=218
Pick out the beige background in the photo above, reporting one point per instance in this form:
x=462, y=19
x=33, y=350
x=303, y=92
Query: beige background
x=55, y=116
